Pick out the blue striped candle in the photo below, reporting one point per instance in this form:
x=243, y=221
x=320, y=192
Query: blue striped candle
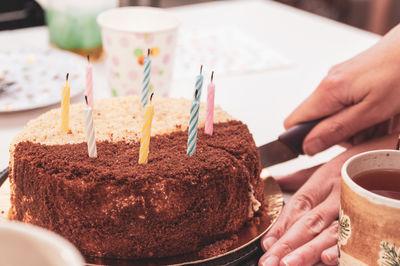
x=194, y=116
x=146, y=81
x=199, y=85
x=193, y=126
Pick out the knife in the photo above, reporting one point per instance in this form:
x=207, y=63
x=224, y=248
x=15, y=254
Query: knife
x=3, y=175
x=288, y=146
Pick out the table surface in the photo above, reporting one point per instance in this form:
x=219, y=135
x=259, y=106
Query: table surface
x=263, y=99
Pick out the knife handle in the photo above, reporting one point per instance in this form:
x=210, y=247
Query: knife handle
x=294, y=137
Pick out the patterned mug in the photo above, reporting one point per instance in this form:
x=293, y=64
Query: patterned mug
x=369, y=231
x=128, y=33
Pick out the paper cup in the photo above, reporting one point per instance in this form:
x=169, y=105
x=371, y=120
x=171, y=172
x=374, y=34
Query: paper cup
x=127, y=34
x=369, y=232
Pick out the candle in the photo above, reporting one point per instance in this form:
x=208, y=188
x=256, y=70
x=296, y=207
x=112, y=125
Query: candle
x=65, y=106
x=193, y=126
x=89, y=129
x=210, y=107
x=199, y=84
x=89, y=83
x=146, y=131
x=146, y=80
x=194, y=116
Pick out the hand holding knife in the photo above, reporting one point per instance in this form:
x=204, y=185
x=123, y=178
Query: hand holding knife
x=288, y=146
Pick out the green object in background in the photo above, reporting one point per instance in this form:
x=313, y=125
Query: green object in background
x=73, y=29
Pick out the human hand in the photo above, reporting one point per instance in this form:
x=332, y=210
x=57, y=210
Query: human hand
x=306, y=231
x=355, y=96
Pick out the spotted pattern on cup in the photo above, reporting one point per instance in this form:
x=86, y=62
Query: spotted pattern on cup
x=126, y=55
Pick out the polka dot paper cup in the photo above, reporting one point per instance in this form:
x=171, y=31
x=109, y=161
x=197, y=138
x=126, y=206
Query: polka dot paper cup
x=127, y=34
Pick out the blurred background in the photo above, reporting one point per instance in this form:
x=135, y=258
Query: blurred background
x=377, y=16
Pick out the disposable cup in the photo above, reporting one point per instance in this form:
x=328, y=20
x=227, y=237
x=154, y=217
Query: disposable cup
x=127, y=34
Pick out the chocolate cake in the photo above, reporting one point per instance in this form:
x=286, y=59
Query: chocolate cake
x=111, y=206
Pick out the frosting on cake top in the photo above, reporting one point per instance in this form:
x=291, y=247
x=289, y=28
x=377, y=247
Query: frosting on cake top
x=115, y=119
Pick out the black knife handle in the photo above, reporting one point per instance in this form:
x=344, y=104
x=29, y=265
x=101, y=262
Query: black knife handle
x=294, y=137
x=4, y=175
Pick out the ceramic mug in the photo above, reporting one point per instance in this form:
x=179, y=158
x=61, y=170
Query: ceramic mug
x=127, y=34
x=24, y=244
x=369, y=224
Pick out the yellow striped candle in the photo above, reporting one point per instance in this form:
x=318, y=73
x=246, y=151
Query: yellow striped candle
x=146, y=131
x=65, y=106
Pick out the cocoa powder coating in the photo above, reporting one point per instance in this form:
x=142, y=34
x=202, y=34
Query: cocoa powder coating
x=111, y=206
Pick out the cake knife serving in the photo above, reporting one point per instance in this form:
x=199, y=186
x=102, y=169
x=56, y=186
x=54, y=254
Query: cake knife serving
x=288, y=146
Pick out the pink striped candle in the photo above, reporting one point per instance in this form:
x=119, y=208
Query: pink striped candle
x=209, y=127
x=89, y=83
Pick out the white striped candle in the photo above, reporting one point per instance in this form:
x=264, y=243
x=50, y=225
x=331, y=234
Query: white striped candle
x=89, y=129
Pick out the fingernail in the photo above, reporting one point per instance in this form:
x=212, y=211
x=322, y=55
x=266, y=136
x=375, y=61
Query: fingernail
x=270, y=261
x=314, y=146
x=290, y=260
x=268, y=242
x=327, y=257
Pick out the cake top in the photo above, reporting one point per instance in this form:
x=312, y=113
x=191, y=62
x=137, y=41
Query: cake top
x=115, y=119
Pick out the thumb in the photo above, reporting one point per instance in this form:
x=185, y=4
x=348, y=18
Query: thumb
x=324, y=101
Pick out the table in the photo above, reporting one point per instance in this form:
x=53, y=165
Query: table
x=312, y=43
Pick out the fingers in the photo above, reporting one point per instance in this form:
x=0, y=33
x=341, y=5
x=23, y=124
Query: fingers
x=308, y=227
x=324, y=101
x=308, y=254
x=295, y=180
x=310, y=211
x=372, y=132
x=302, y=202
x=330, y=256
x=339, y=127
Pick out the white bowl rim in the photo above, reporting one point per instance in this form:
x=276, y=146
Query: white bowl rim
x=49, y=238
x=373, y=197
x=101, y=17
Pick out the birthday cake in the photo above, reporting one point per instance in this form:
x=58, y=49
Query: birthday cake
x=111, y=206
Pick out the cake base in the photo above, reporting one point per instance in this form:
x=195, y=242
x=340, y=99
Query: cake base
x=248, y=235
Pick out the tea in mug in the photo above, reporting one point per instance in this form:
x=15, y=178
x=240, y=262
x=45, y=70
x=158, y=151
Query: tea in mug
x=384, y=182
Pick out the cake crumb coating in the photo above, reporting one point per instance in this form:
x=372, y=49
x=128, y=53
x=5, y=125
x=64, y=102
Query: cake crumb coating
x=115, y=119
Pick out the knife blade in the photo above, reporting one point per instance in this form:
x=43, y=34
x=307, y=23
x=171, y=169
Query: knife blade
x=288, y=146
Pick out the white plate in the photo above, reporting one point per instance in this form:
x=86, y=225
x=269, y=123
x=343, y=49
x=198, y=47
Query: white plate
x=38, y=76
